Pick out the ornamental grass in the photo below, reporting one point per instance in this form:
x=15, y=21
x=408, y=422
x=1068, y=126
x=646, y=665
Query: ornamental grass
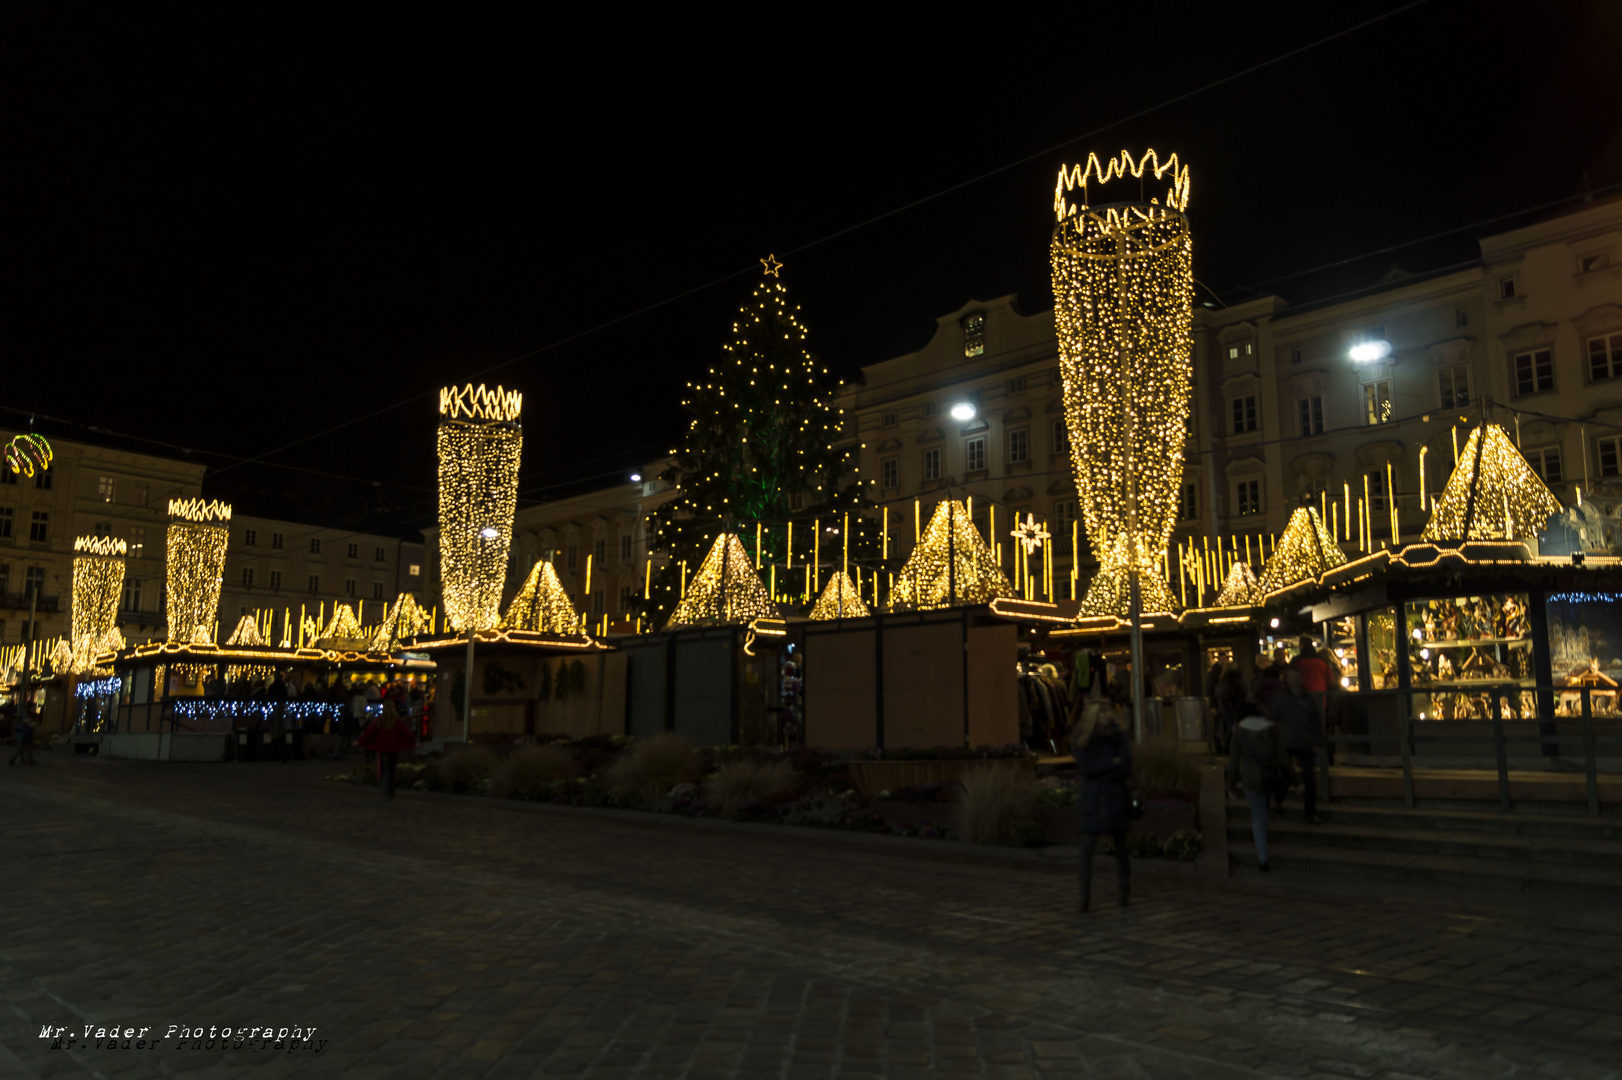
x=654, y=766
x=1159, y=764
x=532, y=770
x=998, y=806
x=467, y=765
x=743, y=781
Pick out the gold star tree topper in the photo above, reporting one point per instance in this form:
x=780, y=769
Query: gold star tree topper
x=771, y=265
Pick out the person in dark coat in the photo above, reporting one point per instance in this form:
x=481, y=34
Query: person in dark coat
x=1258, y=766
x=1104, y=758
x=1300, y=721
x=1230, y=697
x=390, y=737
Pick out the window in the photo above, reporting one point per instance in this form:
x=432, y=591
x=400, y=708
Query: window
x=275, y=540
x=599, y=551
x=132, y=594
x=354, y=551
x=1019, y=445
x=1461, y=317
x=34, y=581
x=932, y=408
x=1295, y=354
x=1188, y=501
x=380, y=554
x=625, y=547
x=1534, y=371
x=1250, y=496
x=250, y=537
x=1506, y=288
x=974, y=454
x=275, y=579
x=597, y=601
x=1061, y=437
x=982, y=524
x=140, y=494
x=1016, y=384
x=1233, y=352
x=1610, y=463
x=39, y=528
x=377, y=590
x=627, y=598
x=1064, y=516
x=1377, y=492
x=7, y=476
x=890, y=473
x=315, y=545
x=974, y=335
x=137, y=541
x=572, y=556
x=1605, y=357
x=6, y=517
x=105, y=488
x=1312, y=415
x=1244, y=414
x=315, y=583
x=887, y=419
x=1453, y=385
x=932, y=464
x=1589, y=263
x=1377, y=402
x=414, y=570
x=247, y=577
x=349, y=586
x=1545, y=461
x=42, y=479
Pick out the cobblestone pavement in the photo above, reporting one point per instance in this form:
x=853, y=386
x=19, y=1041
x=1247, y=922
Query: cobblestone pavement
x=442, y=936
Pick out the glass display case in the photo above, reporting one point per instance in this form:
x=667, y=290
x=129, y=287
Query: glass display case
x=1382, y=624
x=1459, y=646
x=1340, y=650
x=1585, y=651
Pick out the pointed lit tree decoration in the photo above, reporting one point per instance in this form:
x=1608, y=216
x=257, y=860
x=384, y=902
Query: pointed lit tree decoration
x=401, y=622
x=1493, y=494
x=950, y=566
x=1123, y=302
x=98, y=583
x=726, y=590
x=246, y=633
x=480, y=442
x=344, y=625
x=1305, y=551
x=542, y=604
x=198, y=534
x=1241, y=589
x=839, y=600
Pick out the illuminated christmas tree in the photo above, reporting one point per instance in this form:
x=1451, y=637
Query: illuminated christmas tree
x=762, y=447
x=246, y=633
x=1305, y=551
x=725, y=591
x=343, y=626
x=402, y=621
x=1241, y=589
x=542, y=604
x=1493, y=494
x=950, y=566
x=839, y=600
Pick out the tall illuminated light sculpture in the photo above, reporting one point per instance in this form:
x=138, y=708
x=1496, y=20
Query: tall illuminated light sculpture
x=1123, y=304
x=198, y=532
x=98, y=584
x=480, y=442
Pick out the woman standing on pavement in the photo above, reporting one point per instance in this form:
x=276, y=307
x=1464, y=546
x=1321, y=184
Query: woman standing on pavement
x=1258, y=764
x=389, y=737
x=1104, y=758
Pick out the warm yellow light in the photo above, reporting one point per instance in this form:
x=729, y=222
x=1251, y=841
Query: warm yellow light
x=98, y=584
x=951, y=564
x=479, y=445
x=1493, y=493
x=542, y=604
x=1306, y=550
x=726, y=590
x=195, y=560
x=840, y=599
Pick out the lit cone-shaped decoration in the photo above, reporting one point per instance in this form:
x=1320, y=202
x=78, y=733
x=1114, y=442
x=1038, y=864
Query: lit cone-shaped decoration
x=1305, y=551
x=343, y=626
x=839, y=600
x=1241, y=589
x=98, y=584
x=929, y=579
x=1493, y=494
x=542, y=604
x=62, y=657
x=1123, y=303
x=480, y=443
x=246, y=633
x=726, y=590
x=198, y=535
x=403, y=621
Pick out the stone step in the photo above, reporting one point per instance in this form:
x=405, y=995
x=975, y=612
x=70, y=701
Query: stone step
x=1456, y=820
x=1589, y=883
x=1291, y=833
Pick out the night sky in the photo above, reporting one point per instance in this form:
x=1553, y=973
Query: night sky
x=232, y=233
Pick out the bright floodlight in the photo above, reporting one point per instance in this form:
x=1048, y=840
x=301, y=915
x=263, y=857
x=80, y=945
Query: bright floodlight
x=963, y=411
x=489, y=532
x=1367, y=351
x=636, y=478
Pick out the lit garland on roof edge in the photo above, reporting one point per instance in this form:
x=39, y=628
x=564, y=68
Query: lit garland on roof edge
x=929, y=581
x=1123, y=303
x=479, y=443
x=98, y=583
x=196, y=559
x=403, y=621
x=1241, y=588
x=542, y=604
x=1305, y=551
x=839, y=600
x=726, y=590
x=1493, y=494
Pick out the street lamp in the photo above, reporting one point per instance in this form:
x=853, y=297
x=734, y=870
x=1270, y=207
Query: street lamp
x=636, y=478
x=1366, y=352
x=963, y=410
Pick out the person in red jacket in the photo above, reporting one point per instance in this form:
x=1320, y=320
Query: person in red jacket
x=1314, y=672
x=389, y=737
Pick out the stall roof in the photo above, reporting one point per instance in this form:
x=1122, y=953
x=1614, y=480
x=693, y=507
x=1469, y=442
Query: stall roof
x=528, y=639
x=181, y=652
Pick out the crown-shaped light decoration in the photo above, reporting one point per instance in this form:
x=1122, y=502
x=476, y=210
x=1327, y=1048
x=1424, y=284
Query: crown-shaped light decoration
x=1305, y=551
x=839, y=600
x=1070, y=179
x=28, y=452
x=1493, y=494
x=199, y=510
x=542, y=604
x=99, y=545
x=478, y=403
x=1240, y=589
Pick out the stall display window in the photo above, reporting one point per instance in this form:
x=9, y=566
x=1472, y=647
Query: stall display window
x=1340, y=649
x=1382, y=630
x=1458, y=643
x=1585, y=651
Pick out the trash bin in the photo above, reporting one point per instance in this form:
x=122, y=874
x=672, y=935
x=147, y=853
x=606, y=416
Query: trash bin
x=1193, y=719
x=247, y=745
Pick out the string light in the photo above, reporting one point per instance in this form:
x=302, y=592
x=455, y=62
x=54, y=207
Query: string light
x=344, y=625
x=197, y=540
x=479, y=443
x=98, y=584
x=402, y=622
x=1305, y=551
x=726, y=590
x=27, y=452
x=1029, y=534
x=1241, y=589
x=542, y=604
x=1123, y=304
x=929, y=578
x=839, y=600
x=1493, y=493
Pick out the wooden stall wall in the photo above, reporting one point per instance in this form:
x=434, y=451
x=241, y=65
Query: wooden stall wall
x=841, y=700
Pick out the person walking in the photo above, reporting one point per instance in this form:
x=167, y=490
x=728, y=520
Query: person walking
x=23, y=729
x=1314, y=670
x=1301, y=721
x=1104, y=758
x=1230, y=698
x=350, y=720
x=1257, y=764
x=389, y=737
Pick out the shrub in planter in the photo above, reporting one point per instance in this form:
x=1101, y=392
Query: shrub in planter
x=1144, y=846
x=1159, y=765
x=747, y=782
x=463, y=768
x=997, y=807
x=821, y=808
x=653, y=766
x=1184, y=844
x=530, y=768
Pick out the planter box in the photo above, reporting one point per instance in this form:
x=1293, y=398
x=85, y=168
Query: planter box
x=872, y=777
x=899, y=815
